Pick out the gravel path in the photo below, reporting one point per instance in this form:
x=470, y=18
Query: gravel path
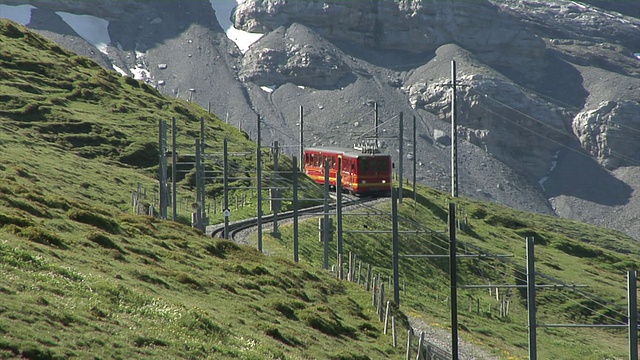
x=442, y=339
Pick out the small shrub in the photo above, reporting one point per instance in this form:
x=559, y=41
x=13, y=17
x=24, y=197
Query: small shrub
x=103, y=241
x=13, y=220
x=277, y=335
x=150, y=279
x=326, y=322
x=579, y=250
x=288, y=308
x=188, y=280
x=199, y=320
x=144, y=341
x=10, y=30
x=93, y=219
x=41, y=236
x=131, y=81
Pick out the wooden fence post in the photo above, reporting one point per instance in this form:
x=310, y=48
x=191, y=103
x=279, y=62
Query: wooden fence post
x=368, y=282
x=373, y=291
x=420, y=341
x=381, y=301
x=386, y=318
x=394, y=334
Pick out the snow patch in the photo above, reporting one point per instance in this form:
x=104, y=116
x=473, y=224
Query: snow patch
x=119, y=70
x=140, y=73
x=224, y=9
x=554, y=163
x=93, y=29
x=20, y=13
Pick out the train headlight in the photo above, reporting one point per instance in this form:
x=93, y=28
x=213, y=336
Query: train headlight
x=364, y=181
x=384, y=181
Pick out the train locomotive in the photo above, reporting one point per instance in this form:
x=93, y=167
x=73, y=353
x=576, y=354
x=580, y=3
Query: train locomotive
x=364, y=173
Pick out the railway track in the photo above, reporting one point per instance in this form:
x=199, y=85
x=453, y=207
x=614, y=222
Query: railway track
x=234, y=228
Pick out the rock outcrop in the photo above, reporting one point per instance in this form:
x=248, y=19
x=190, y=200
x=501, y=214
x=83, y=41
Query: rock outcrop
x=296, y=55
x=515, y=126
x=610, y=132
x=408, y=25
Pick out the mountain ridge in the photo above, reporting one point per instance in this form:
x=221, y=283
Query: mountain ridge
x=573, y=61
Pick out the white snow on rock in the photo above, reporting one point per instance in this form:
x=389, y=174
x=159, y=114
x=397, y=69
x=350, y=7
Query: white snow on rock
x=140, y=73
x=224, y=9
x=93, y=29
x=268, y=89
x=20, y=14
x=119, y=70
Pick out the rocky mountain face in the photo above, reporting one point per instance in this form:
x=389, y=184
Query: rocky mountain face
x=548, y=92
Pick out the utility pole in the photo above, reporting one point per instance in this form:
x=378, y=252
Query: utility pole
x=632, y=289
x=531, y=299
x=301, y=138
x=275, y=191
x=259, y=186
x=395, y=247
x=295, y=210
x=339, y=214
x=203, y=181
x=198, y=213
x=225, y=184
x=162, y=159
x=375, y=122
x=453, y=273
x=401, y=156
x=454, y=134
x=174, y=170
x=203, y=173
x=415, y=156
x=325, y=222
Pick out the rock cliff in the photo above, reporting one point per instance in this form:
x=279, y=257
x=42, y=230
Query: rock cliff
x=548, y=95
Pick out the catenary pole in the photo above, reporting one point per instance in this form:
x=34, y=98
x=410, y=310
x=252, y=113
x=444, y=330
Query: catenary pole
x=531, y=299
x=259, y=186
x=174, y=159
x=325, y=222
x=203, y=182
x=453, y=273
x=275, y=191
x=454, y=134
x=632, y=288
x=296, y=257
x=198, y=210
x=400, y=156
x=339, y=212
x=375, y=122
x=225, y=185
x=301, y=138
x=395, y=247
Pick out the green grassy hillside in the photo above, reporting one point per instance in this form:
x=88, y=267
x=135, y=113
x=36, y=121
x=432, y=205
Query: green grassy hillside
x=568, y=251
x=83, y=277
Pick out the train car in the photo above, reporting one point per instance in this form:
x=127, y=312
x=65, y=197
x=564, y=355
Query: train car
x=363, y=173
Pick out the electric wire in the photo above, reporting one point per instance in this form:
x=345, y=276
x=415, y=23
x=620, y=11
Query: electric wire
x=614, y=154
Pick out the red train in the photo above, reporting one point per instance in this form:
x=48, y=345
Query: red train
x=363, y=173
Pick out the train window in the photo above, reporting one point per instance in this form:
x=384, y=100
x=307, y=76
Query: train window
x=382, y=165
x=364, y=165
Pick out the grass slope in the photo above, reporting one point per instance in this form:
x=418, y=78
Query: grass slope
x=572, y=252
x=84, y=278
